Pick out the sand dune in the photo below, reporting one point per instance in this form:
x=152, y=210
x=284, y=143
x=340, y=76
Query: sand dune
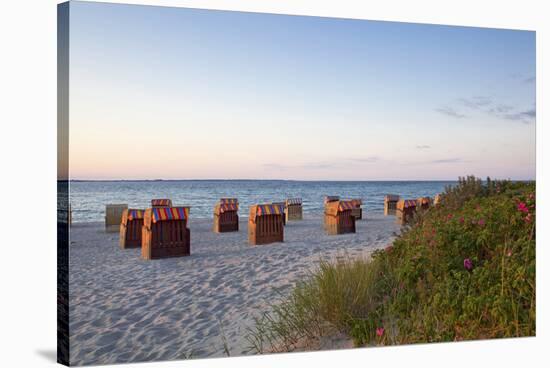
x=124, y=309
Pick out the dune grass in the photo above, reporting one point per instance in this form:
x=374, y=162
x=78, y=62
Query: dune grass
x=463, y=270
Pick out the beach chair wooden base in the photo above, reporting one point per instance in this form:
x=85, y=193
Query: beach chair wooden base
x=404, y=217
x=267, y=229
x=166, y=239
x=226, y=222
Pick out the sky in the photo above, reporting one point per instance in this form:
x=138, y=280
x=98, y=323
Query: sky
x=176, y=93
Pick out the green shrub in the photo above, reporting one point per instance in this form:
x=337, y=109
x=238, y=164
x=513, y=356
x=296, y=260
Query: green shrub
x=464, y=270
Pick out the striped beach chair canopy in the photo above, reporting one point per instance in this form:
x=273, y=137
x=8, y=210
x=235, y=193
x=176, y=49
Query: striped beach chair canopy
x=169, y=213
x=266, y=209
x=229, y=201
x=226, y=207
x=161, y=202
x=333, y=208
x=294, y=201
x=135, y=214
x=331, y=198
x=281, y=205
x=391, y=198
x=406, y=203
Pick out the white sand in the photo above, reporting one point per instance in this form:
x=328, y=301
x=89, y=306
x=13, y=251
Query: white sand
x=124, y=309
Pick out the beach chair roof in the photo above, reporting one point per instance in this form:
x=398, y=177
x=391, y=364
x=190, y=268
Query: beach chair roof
x=333, y=208
x=135, y=214
x=391, y=197
x=169, y=213
x=229, y=201
x=226, y=207
x=265, y=209
x=294, y=201
x=331, y=198
x=161, y=202
x=405, y=203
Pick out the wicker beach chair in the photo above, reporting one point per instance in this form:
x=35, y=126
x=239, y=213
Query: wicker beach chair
x=165, y=233
x=293, y=209
x=405, y=210
x=131, y=228
x=265, y=224
x=226, y=218
x=390, y=204
x=339, y=218
x=113, y=216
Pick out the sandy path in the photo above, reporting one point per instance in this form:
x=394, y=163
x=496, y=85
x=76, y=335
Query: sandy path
x=124, y=309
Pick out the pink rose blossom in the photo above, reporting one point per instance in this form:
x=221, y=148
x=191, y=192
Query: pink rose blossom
x=379, y=331
x=468, y=264
x=522, y=207
x=461, y=220
x=481, y=222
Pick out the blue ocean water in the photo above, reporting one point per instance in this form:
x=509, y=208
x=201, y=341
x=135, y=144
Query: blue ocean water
x=88, y=198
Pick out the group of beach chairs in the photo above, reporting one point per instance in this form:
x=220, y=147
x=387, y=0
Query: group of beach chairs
x=162, y=230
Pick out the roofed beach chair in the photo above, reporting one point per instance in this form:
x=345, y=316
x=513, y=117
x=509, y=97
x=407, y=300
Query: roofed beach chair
x=265, y=224
x=339, y=218
x=390, y=204
x=113, y=216
x=131, y=228
x=161, y=203
x=405, y=210
x=293, y=209
x=226, y=216
x=165, y=233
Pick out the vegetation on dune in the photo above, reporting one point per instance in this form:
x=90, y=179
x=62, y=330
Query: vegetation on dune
x=465, y=269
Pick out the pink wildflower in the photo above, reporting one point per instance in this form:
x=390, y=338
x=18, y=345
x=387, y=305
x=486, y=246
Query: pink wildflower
x=522, y=207
x=379, y=331
x=481, y=222
x=449, y=216
x=461, y=220
x=468, y=264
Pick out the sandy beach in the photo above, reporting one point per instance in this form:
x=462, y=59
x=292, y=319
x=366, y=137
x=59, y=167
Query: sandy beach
x=125, y=309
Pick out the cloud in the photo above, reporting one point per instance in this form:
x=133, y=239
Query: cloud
x=423, y=147
x=449, y=111
x=500, y=109
x=447, y=161
x=365, y=159
x=527, y=116
x=476, y=102
x=530, y=80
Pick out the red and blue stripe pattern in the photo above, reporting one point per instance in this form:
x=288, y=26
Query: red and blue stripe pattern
x=169, y=213
x=134, y=214
x=226, y=207
x=346, y=205
x=269, y=209
x=406, y=203
x=161, y=202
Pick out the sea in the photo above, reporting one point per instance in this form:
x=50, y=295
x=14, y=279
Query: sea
x=88, y=198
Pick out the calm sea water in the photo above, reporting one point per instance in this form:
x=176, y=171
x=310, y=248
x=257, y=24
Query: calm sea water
x=88, y=198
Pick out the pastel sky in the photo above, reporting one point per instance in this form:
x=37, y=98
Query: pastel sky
x=174, y=93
